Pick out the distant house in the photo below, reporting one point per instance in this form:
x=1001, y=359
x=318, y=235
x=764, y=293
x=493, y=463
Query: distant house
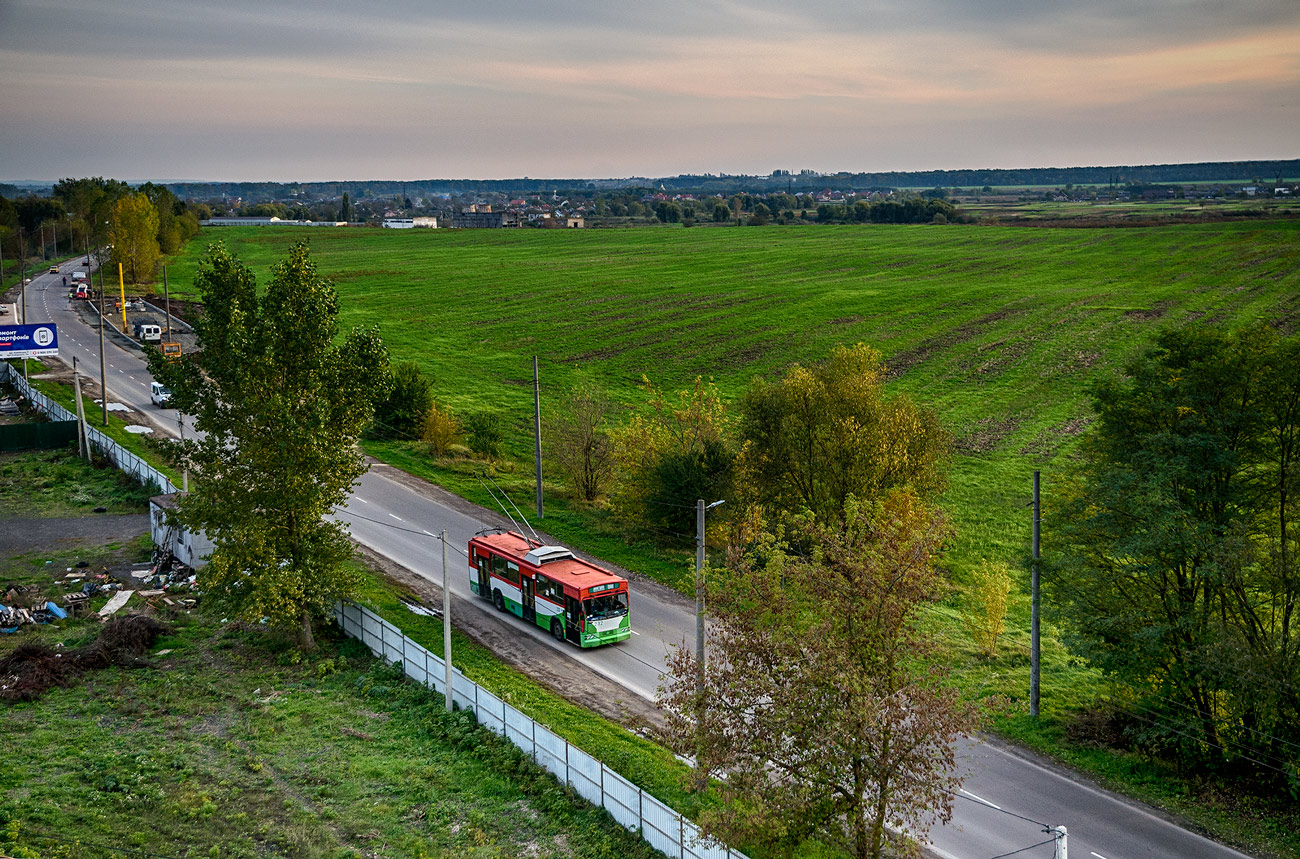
x=427, y=223
x=559, y=222
x=484, y=220
x=267, y=222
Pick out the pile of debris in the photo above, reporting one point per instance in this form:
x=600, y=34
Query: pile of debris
x=13, y=613
x=31, y=669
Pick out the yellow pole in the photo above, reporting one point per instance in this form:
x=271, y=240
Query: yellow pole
x=122, y=286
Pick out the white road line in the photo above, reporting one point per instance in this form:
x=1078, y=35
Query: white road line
x=634, y=632
x=359, y=498
x=398, y=518
x=979, y=798
x=1098, y=855
x=430, y=533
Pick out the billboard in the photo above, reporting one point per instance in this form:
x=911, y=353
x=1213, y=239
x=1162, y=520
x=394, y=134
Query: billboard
x=29, y=341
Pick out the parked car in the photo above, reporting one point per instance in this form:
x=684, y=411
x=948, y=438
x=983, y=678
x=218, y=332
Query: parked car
x=159, y=395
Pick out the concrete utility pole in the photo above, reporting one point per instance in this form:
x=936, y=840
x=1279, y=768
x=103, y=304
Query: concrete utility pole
x=1062, y=843
x=185, y=472
x=537, y=432
x=167, y=303
x=103, y=370
x=1034, y=652
x=83, y=443
x=700, y=508
x=446, y=625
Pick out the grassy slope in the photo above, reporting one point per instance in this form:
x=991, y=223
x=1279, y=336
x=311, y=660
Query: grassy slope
x=59, y=483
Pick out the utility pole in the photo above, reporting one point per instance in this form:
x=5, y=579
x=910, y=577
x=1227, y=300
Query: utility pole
x=83, y=443
x=700, y=507
x=103, y=371
x=1034, y=653
x=121, y=285
x=167, y=303
x=537, y=432
x=1062, y=843
x=446, y=625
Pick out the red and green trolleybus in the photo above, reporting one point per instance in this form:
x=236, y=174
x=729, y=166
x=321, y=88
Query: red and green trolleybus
x=546, y=585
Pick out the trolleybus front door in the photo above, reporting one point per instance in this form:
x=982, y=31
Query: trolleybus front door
x=484, y=586
x=573, y=618
x=529, y=600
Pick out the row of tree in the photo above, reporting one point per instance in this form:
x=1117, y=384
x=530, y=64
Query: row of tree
x=141, y=224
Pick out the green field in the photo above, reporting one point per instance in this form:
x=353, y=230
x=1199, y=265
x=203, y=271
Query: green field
x=1000, y=329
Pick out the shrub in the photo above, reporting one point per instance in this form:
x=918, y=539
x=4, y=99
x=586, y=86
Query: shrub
x=411, y=397
x=985, y=610
x=484, y=433
x=441, y=430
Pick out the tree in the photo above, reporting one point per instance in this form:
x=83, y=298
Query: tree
x=577, y=441
x=134, y=231
x=1178, y=574
x=687, y=430
x=280, y=406
x=721, y=212
x=410, y=396
x=827, y=432
x=820, y=702
x=345, y=209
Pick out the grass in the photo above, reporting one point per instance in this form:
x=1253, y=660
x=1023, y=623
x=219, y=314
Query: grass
x=1000, y=329
x=231, y=745
x=59, y=483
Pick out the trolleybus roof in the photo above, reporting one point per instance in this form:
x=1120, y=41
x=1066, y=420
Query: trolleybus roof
x=566, y=570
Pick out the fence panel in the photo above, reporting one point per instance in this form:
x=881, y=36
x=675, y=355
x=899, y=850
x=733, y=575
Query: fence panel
x=661, y=827
x=622, y=800
x=519, y=730
x=414, y=661
x=584, y=775
x=551, y=751
x=491, y=712
x=464, y=692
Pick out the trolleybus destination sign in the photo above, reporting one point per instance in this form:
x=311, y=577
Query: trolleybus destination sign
x=29, y=341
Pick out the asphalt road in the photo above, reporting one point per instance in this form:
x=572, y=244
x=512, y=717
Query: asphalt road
x=1005, y=796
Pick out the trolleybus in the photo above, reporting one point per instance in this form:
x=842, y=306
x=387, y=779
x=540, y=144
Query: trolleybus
x=546, y=585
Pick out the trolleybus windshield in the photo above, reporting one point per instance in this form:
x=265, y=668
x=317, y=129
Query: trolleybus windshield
x=608, y=605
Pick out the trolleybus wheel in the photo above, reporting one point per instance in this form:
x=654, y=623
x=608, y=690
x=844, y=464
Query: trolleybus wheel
x=557, y=630
x=498, y=601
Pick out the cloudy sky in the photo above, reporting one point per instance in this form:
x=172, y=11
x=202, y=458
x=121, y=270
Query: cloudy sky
x=291, y=90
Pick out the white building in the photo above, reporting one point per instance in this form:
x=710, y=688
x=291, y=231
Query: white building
x=190, y=549
x=428, y=223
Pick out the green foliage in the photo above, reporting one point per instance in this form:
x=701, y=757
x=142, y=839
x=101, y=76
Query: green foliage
x=577, y=440
x=1180, y=575
x=681, y=478
x=440, y=430
x=281, y=407
x=484, y=433
x=134, y=231
x=825, y=433
x=985, y=610
x=402, y=413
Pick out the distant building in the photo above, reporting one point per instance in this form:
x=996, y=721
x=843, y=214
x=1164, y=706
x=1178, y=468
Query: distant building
x=484, y=220
x=559, y=222
x=189, y=548
x=267, y=222
x=427, y=223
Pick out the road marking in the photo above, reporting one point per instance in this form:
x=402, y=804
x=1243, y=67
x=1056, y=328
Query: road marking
x=634, y=632
x=979, y=798
x=398, y=518
x=430, y=533
x=1098, y=855
x=362, y=500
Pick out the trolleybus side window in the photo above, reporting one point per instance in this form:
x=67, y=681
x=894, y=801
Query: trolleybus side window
x=549, y=589
x=499, y=567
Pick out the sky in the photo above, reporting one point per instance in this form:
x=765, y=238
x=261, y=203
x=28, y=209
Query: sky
x=316, y=90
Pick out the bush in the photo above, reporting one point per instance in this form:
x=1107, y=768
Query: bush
x=441, y=430
x=484, y=433
x=985, y=610
x=409, y=401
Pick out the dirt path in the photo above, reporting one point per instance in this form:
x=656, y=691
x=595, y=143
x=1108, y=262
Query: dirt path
x=29, y=535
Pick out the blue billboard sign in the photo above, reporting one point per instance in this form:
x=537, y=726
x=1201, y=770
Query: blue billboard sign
x=29, y=341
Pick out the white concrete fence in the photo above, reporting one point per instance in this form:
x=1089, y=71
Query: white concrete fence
x=664, y=829
x=118, y=455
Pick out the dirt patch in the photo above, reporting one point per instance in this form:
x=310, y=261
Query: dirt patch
x=29, y=535
x=566, y=677
x=985, y=435
x=1149, y=314
x=1049, y=441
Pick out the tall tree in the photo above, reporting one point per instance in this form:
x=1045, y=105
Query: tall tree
x=281, y=406
x=819, y=701
x=826, y=432
x=1178, y=573
x=134, y=233
x=577, y=440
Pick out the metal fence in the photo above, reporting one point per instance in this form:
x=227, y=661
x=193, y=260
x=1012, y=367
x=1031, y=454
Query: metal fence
x=664, y=829
x=124, y=459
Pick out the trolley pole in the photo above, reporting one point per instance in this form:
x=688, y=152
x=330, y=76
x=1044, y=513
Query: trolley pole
x=537, y=432
x=446, y=623
x=1034, y=645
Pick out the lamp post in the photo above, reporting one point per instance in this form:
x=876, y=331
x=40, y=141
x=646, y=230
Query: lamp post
x=700, y=509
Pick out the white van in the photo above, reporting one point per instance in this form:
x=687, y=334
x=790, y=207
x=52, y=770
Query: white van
x=159, y=395
x=149, y=333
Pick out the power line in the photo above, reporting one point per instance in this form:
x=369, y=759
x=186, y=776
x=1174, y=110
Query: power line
x=1045, y=827
x=1023, y=849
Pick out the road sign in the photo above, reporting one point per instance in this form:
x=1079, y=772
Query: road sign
x=29, y=341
